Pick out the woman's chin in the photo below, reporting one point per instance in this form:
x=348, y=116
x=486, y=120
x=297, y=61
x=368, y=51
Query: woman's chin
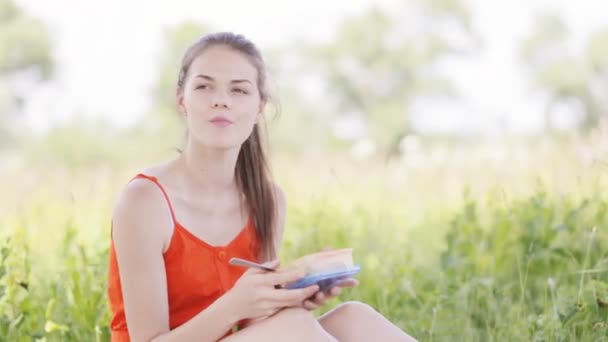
x=219, y=144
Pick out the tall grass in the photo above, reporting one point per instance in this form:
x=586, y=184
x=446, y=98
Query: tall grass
x=455, y=245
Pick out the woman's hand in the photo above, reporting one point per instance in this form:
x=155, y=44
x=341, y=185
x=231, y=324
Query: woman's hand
x=254, y=295
x=321, y=298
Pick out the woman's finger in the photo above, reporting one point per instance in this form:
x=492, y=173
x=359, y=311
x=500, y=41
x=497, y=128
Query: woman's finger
x=349, y=282
x=272, y=264
x=319, y=298
x=283, y=277
x=335, y=291
x=289, y=297
x=309, y=305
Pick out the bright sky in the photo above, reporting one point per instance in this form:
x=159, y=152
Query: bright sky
x=107, y=51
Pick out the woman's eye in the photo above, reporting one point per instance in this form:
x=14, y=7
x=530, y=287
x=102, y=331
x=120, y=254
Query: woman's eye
x=202, y=86
x=239, y=90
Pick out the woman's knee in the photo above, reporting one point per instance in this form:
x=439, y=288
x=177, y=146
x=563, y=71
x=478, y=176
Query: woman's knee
x=299, y=321
x=296, y=317
x=356, y=321
x=355, y=308
x=350, y=310
x=294, y=324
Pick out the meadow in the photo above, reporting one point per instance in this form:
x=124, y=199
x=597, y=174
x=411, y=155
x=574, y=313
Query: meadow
x=494, y=241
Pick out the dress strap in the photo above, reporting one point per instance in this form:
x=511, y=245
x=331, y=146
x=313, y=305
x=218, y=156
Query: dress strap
x=162, y=189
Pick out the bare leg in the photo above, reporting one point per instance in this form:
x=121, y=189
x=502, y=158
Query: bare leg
x=292, y=324
x=355, y=321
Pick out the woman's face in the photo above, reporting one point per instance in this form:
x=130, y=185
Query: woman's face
x=220, y=98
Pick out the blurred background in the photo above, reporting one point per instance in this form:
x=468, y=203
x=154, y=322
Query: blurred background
x=459, y=146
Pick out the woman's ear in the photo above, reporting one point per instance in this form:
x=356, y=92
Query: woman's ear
x=179, y=97
x=260, y=113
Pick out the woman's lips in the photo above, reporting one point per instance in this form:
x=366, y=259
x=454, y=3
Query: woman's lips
x=221, y=121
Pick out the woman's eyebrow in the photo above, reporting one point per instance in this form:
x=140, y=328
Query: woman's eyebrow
x=209, y=78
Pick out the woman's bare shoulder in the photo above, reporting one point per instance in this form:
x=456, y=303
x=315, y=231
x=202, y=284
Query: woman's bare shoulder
x=141, y=210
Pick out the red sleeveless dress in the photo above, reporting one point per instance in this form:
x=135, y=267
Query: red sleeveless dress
x=197, y=273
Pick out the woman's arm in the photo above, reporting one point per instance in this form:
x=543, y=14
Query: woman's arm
x=142, y=229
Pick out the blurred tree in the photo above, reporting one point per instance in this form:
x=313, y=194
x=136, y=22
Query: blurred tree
x=24, y=56
x=597, y=59
x=163, y=119
x=296, y=125
x=380, y=61
x=153, y=137
x=578, y=82
x=375, y=65
x=81, y=143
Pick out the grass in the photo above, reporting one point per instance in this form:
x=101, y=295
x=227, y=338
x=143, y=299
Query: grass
x=452, y=248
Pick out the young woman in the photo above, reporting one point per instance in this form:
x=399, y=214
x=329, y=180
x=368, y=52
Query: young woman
x=176, y=225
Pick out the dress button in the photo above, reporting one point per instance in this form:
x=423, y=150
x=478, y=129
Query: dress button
x=222, y=255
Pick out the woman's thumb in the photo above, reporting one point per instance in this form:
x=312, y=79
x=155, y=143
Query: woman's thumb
x=272, y=264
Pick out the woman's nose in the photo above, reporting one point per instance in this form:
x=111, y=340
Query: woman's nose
x=220, y=100
x=217, y=104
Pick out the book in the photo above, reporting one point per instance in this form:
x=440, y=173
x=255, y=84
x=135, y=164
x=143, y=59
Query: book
x=326, y=268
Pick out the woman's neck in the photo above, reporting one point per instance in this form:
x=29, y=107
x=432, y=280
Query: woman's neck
x=209, y=170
